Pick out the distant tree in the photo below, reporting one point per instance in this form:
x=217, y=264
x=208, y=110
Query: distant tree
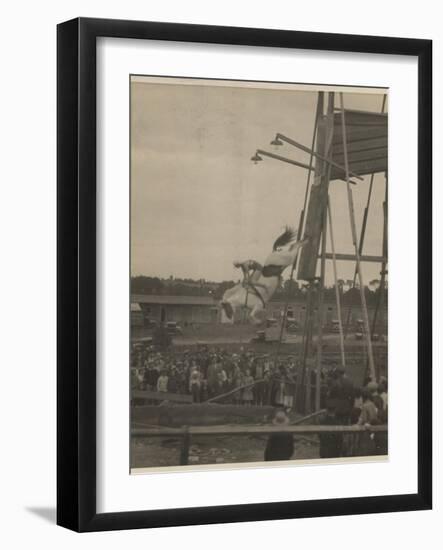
x=146, y=285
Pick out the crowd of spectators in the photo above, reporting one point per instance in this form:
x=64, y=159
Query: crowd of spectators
x=263, y=379
x=208, y=372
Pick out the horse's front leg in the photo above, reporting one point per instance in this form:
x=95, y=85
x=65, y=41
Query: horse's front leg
x=254, y=315
x=231, y=301
x=227, y=313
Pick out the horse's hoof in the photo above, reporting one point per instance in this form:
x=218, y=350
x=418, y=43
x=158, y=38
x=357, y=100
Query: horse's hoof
x=228, y=309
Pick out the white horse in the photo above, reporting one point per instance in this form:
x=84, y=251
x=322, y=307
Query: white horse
x=260, y=282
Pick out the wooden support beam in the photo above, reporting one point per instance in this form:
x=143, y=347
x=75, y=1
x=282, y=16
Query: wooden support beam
x=320, y=313
x=351, y=258
x=356, y=245
x=307, y=266
x=184, y=452
x=231, y=392
x=372, y=166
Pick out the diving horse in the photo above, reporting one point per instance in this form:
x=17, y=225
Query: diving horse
x=260, y=282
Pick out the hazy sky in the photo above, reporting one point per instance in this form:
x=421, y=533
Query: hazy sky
x=197, y=200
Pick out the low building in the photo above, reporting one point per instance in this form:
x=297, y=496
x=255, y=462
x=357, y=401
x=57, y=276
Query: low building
x=137, y=317
x=188, y=310
x=182, y=309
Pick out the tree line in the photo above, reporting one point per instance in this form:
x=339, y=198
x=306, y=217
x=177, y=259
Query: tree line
x=142, y=284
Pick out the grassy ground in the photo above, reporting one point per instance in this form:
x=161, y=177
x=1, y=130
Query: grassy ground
x=243, y=335
x=157, y=452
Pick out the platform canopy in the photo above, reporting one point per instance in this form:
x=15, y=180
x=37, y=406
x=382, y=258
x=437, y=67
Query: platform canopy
x=367, y=143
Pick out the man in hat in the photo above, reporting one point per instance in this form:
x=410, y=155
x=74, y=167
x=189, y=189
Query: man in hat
x=341, y=396
x=280, y=446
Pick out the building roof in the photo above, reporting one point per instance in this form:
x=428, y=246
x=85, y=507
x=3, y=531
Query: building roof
x=173, y=300
x=135, y=307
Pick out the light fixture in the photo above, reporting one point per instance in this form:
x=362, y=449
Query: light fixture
x=256, y=158
x=276, y=142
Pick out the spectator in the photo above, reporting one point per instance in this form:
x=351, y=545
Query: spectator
x=247, y=392
x=341, y=396
x=280, y=446
x=194, y=384
x=212, y=377
x=173, y=382
x=368, y=417
x=162, y=382
x=330, y=443
x=289, y=391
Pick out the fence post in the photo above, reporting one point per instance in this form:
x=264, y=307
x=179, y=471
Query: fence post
x=184, y=453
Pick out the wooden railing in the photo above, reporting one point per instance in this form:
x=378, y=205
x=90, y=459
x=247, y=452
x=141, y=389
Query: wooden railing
x=186, y=432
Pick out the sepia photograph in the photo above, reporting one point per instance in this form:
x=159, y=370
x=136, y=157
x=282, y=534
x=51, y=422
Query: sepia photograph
x=258, y=274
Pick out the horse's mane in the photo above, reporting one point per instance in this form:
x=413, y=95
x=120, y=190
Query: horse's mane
x=285, y=238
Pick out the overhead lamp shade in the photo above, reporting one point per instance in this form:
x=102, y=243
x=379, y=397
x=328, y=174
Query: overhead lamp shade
x=276, y=142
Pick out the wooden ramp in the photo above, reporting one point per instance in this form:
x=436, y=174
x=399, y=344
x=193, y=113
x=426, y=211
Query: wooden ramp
x=161, y=396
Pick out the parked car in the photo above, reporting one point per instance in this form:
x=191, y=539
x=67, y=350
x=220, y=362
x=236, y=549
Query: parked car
x=142, y=343
x=173, y=328
x=150, y=323
x=260, y=336
x=291, y=326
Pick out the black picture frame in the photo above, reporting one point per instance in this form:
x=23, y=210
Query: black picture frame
x=76, y=294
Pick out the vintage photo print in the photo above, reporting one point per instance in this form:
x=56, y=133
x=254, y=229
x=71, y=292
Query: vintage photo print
x=259, y=273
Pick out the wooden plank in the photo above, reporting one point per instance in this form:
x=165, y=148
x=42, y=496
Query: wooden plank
x=355, y=133
x=365, y=144
x=364, y=118
x=364, y=168
x=361, y=155
x=161, y=396
x=351, y=258
x=307, y=266
x=231, y=392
